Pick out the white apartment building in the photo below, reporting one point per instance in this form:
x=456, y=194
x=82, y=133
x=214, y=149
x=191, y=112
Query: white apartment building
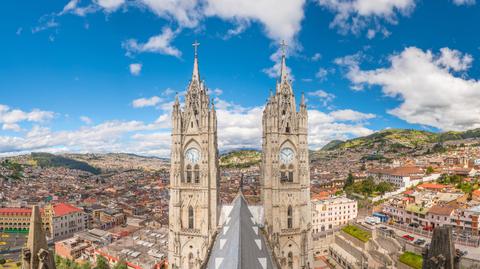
x=65, y=220
x=332, y=212
x=401, y=177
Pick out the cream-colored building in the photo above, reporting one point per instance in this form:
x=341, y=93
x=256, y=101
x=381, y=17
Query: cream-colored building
x=59, y=220
x=332, y=212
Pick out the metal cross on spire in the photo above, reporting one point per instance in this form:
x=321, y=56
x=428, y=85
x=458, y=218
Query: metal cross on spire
x=195, y=46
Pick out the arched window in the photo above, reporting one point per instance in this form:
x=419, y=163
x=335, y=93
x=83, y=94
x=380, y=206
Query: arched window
x=196, y=173
x=289, y=217
x=191, y=261
x=290, y=260
x=189, y=174
x=283, y=173
x=190, y=217
x=290, y=173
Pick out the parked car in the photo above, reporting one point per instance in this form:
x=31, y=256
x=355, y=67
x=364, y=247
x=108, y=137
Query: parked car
x=419, y=242
x=428, y=228
x=414, y=225
x=408, y=237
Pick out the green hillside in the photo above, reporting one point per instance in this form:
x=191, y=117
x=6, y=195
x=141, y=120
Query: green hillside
x=240, y=159
x=50, y=160
x=397, y=139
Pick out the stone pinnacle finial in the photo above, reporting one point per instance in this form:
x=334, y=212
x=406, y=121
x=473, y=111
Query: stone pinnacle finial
x=177, y=101
x=302, y=102
x=283, y=67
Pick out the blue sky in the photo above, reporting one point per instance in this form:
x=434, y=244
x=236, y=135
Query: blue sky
x=100, y=76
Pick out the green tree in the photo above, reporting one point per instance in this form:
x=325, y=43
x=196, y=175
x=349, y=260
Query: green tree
x=86, y=265
x=368, y=186
x=120, y=265
x=2, y=261
x=102, y=263
x=429, y=170
x=350, y=180
x=384, y=187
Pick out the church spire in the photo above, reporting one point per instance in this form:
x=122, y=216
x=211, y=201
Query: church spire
x=195, y=74
x=283, y=67
x=36, y=254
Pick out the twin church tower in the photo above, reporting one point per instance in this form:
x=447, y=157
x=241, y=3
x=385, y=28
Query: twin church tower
x=194, y=210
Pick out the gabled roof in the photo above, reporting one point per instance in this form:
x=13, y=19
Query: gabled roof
x=62, y=209
x=442, y=210
x=239, y=243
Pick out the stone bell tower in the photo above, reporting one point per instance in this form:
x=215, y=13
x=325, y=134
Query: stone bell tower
x=285, y=175
x=194, y=177
x=36, y=254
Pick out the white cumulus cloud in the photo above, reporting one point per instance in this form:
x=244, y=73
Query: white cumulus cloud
x=356, y=15
x=433, y=88
x=135, y=69
x=160, y=43
x=144, y=102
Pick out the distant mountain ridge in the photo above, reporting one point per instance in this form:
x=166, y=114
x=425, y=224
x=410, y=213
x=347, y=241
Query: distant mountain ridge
x=400, y=138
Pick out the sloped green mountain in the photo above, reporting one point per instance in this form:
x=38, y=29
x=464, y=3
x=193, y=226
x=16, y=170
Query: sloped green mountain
x=240, y=158
x=50, y=160
x=397, y=139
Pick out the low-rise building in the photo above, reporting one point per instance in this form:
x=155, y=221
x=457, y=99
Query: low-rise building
x=401, y=177
x=59, y=220
x=332, y=212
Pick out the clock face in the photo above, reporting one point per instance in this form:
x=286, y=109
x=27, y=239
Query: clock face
x=287, y=155
x=192, y=155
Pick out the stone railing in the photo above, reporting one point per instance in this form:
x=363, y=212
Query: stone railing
x=291, y=231
x=190, y=231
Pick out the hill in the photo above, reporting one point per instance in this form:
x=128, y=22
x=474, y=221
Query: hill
x=121, y=161
x=240, y=158
x=400, y=139
x=50, y=160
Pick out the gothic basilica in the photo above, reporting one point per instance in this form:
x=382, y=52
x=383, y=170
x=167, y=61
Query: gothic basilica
x=205, y=234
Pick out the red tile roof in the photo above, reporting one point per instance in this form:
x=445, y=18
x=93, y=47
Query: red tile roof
x=15, y=210
x=432, y=186
x=62, y=209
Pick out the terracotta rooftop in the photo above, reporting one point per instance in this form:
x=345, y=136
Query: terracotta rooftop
x=62, y=209
x=15, y=210
x=432, y=186
x=399, y=171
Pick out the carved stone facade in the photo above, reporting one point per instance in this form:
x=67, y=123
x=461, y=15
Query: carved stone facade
x=194, y=177
x=285, y=175
x=36, y=254
x=441, y=254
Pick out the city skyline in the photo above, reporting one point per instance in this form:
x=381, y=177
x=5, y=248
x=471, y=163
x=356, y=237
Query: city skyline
x=101, y=76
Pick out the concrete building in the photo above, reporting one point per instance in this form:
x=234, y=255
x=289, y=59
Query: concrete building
x=59, y=220
x=332, y=212
x=401, y=177
x=65, y=220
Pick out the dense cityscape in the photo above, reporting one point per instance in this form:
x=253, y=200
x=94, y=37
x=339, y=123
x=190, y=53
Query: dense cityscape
x=121, y=213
